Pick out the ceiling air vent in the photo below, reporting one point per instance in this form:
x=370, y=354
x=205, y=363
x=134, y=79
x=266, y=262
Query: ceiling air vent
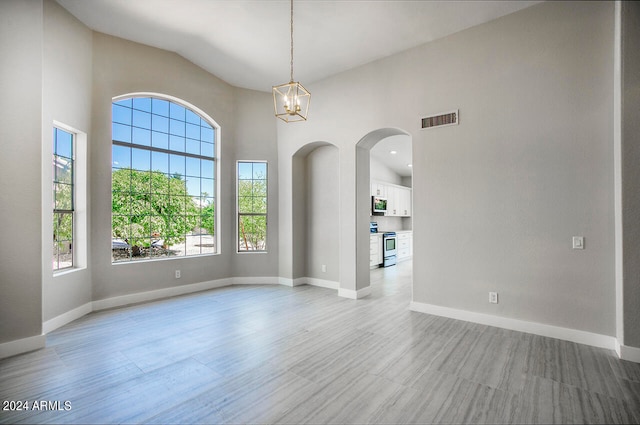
x=440, y=120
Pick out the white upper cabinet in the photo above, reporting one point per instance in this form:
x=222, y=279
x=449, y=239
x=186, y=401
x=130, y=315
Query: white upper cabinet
x=378, y=189
x=404, y=202
x=398, y=198
x=392, y=202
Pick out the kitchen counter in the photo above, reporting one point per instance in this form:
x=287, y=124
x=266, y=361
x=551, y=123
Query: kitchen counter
x=396, y=231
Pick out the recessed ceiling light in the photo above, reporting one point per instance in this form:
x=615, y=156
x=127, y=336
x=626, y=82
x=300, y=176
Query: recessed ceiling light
x=393, y=152
x=409, y=165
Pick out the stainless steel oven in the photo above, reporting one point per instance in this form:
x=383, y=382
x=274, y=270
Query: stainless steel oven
x=389, y=249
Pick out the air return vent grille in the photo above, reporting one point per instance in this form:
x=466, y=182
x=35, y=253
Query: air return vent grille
x=440, y=120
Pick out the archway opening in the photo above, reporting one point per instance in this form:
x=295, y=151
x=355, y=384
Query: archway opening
x=315, y=214
x=363, y=195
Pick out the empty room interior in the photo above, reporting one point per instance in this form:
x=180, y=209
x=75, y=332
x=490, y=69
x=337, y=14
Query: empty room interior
x=320, y=211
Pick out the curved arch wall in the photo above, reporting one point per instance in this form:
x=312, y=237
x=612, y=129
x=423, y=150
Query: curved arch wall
x=315, y=252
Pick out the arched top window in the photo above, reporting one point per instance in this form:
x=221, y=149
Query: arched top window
x=163, y=179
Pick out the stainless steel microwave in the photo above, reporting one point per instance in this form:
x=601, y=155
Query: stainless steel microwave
x=378, y=204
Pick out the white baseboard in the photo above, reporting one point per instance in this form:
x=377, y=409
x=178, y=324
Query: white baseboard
x=625, y=352
x=24, y=345
x=354, y=295
x=258, y=280
x=364, y=292
x=299, y=281
x=573, y=335
x=285, y=281
x=322, y=283
x=64, y=318
x=159, y=293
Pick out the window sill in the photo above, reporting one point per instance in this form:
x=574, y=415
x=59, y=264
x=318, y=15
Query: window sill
x=154, y=260
x=65, y=272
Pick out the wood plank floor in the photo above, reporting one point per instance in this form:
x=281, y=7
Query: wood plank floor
x=273, y=354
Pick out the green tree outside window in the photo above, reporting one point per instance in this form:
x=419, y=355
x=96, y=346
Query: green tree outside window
x=252, y=206
x=163, y=180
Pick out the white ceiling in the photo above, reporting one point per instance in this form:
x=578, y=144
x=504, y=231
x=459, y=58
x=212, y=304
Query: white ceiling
x=246, y=42
x=399, y=161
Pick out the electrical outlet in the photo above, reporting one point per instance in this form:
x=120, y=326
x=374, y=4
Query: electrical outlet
x=178, y=274
x=493, y=297
x=324, y=268
x=578, y=242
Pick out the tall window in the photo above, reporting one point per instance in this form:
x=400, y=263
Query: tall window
x=63, y=199
x=163, y=180
x=252, y=206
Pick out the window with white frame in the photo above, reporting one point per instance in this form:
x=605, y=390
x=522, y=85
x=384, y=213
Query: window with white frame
x=63, y=199
x=163, y=180
x=252, y=206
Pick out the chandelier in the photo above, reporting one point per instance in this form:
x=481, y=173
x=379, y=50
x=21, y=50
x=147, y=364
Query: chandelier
x=291, y=100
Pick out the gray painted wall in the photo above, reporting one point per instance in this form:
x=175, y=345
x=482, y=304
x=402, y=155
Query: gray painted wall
x=529, y=166
x=67, y=89
x=322, y=214
x=631, y=170
x=247, y=132
x=121, y=67
x=497, y=198
x=309, y=181
x=20, y=201
x=295, y=246
x=255, y=139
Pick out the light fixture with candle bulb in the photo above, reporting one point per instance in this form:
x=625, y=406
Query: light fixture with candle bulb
x=291, y=100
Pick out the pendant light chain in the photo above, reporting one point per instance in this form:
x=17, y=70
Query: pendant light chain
x=291, y=40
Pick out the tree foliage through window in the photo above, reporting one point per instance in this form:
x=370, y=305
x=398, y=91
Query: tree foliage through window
x=163, y=180
x=252, y=206
x=63, y=199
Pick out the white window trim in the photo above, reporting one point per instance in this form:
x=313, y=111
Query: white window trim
x=216, y=153
x=237, y=215
x=80, y=228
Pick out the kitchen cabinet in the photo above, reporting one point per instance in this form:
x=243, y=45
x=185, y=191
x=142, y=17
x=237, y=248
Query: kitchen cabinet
x=398, y=198
x=404, y=201
x=375, y=250
x=379, y=189
x=392, y=202
x=398, y=201
x=405, y=245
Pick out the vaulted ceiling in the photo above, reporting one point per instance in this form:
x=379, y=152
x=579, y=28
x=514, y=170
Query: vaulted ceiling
x=246, y=42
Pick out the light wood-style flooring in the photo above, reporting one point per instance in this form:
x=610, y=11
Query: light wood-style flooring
x=273, y=354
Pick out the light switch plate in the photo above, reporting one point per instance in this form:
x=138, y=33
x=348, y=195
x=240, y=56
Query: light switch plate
x=578, y=242
x=493, y=297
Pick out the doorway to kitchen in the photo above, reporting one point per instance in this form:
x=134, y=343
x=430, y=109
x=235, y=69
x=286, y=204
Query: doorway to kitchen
x=383, y=207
